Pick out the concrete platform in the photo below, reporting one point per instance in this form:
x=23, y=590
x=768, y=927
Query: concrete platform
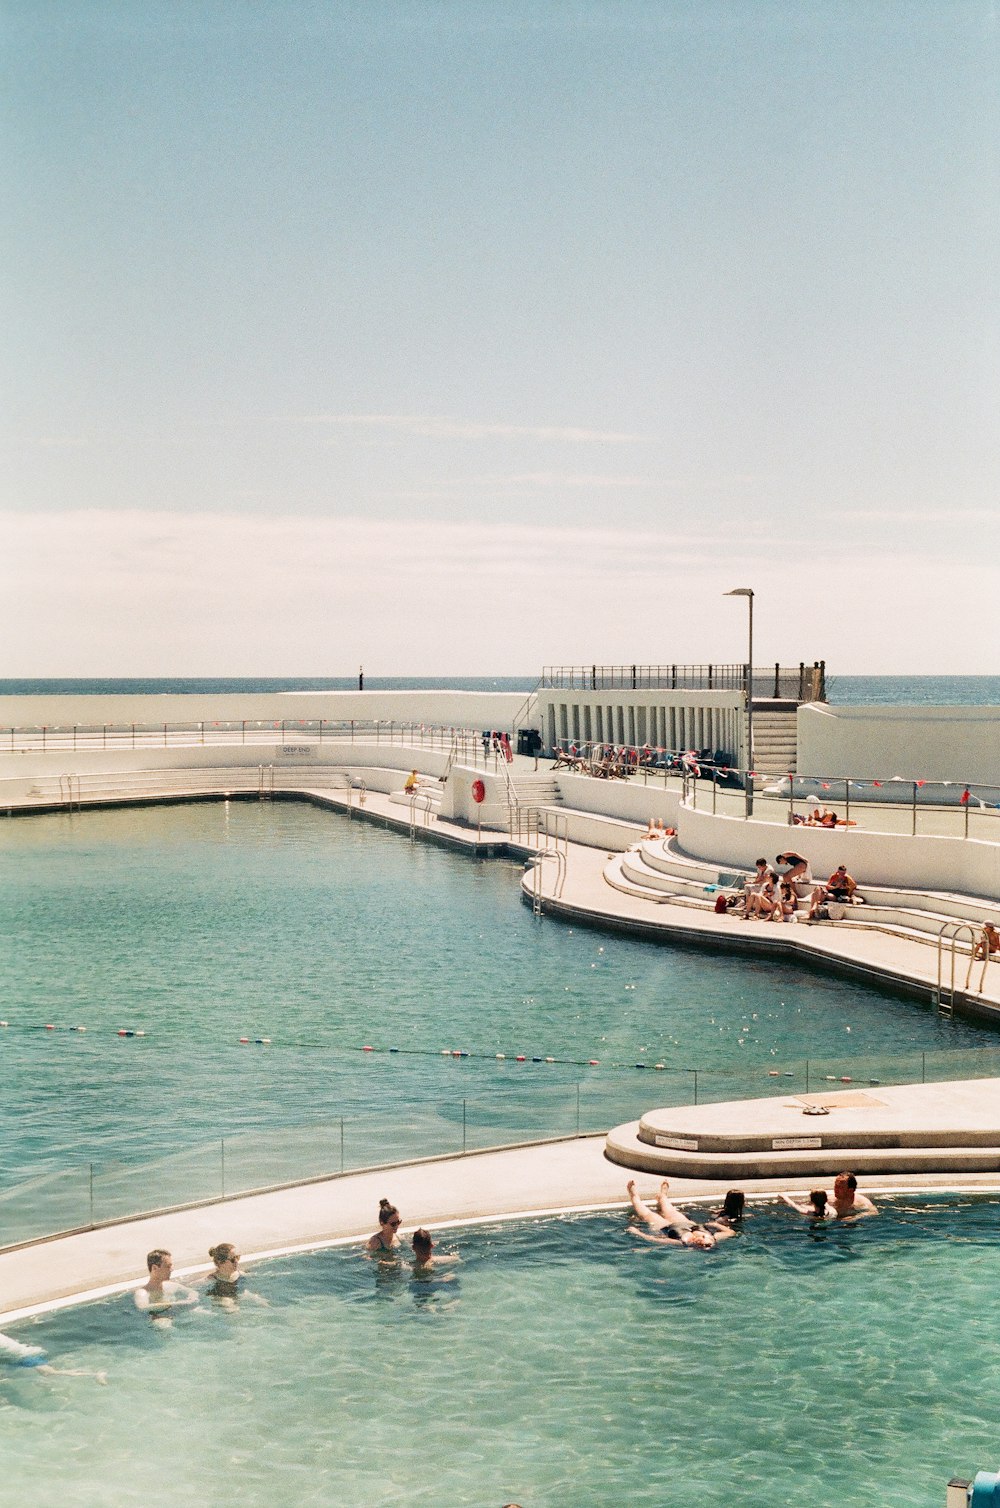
x=940, y=1128
x=905, y=964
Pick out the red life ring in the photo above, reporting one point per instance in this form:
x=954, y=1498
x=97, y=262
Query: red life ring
x=478, y=792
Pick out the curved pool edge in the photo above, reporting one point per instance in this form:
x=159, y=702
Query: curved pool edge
x=544, y=1180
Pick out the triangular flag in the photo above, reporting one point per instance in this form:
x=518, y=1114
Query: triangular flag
x=964, y=798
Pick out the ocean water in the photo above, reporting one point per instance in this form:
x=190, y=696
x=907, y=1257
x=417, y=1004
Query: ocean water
x=560, y=1362
x=845, y=690
x=200, y=925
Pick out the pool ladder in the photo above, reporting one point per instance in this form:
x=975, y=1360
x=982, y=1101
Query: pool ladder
x=949, y=936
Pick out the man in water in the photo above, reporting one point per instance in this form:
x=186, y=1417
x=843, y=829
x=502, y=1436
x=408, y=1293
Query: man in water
x=845, y=1200
x=157, y=1297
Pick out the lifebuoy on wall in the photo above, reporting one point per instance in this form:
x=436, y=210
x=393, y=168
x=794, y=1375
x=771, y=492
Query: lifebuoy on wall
x=478, y=792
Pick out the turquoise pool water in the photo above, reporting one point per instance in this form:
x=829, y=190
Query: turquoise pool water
x=562, y=1362
x=202, y=924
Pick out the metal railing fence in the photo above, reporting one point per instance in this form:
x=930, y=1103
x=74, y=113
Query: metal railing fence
x=58, y=1200
x=798, y=683
x=848, y=801
x=413, y=734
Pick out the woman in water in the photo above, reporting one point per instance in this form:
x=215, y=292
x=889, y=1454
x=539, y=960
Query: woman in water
x=224, y=1282
x=386, y=1237
x=731, y=1213
x=670, y=1225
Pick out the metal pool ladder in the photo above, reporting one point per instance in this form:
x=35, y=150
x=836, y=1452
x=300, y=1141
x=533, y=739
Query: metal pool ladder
x=949, y=934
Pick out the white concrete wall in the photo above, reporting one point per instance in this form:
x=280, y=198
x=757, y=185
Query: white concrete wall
x=20, y=771
x=459, y=804
x=448, y=709
x=963, y=866
x=619, y=798
x=918, y=743
x=592, y=831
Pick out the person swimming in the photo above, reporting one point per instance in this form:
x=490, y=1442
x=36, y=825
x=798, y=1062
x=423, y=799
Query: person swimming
x=18, y=1354
x=732, y=1211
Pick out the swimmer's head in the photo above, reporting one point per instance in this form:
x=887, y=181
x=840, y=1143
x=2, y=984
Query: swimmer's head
x=701, y=1238
x=224, y=1252
x=388, y=1214
x=732, y=1205
x=159, y=1258
x=818, y=1199
x=422, y=1244
x=844, y=1182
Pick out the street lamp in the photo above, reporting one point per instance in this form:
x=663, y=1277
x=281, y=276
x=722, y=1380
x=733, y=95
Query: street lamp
x=747, y=592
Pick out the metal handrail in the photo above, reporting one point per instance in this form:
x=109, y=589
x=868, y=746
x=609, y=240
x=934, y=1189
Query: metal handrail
x=953, y=931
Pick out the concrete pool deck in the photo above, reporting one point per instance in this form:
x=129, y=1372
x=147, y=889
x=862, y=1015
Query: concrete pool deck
x=529, y=1181
x=902, y=963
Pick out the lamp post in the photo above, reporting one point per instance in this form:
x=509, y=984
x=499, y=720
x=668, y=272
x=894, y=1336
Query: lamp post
x=747, y=592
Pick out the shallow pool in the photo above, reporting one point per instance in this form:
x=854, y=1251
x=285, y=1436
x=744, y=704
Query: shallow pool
x=561, y=1362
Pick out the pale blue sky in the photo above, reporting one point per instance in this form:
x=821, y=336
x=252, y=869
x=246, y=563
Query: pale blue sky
x=466, y=337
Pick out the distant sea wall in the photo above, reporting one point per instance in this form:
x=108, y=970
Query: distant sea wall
x=448, y=709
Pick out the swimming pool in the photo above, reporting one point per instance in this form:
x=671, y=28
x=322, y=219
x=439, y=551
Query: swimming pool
x=203, y=924
x=561, y=1362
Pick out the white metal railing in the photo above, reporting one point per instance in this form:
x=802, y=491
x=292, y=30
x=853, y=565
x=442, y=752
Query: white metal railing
x=43, y=737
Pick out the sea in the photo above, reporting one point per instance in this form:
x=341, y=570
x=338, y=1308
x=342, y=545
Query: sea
x=842, y=690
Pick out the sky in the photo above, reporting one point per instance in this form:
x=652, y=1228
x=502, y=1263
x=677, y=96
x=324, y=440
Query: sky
x=458, y=337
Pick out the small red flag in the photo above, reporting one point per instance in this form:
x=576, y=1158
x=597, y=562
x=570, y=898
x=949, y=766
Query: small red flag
x=964, y=798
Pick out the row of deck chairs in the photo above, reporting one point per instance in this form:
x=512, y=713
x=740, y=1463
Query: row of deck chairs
x=619, y=762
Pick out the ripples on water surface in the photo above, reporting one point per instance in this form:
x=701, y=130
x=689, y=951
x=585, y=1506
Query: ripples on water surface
x=562, y=1362
x=202, y=924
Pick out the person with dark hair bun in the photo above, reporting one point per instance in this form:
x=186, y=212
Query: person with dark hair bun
x=224, y=1282
x=389, y=1221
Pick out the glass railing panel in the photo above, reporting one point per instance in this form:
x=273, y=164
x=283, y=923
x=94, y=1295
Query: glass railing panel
x=51, y=1202
x=183, y=1177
